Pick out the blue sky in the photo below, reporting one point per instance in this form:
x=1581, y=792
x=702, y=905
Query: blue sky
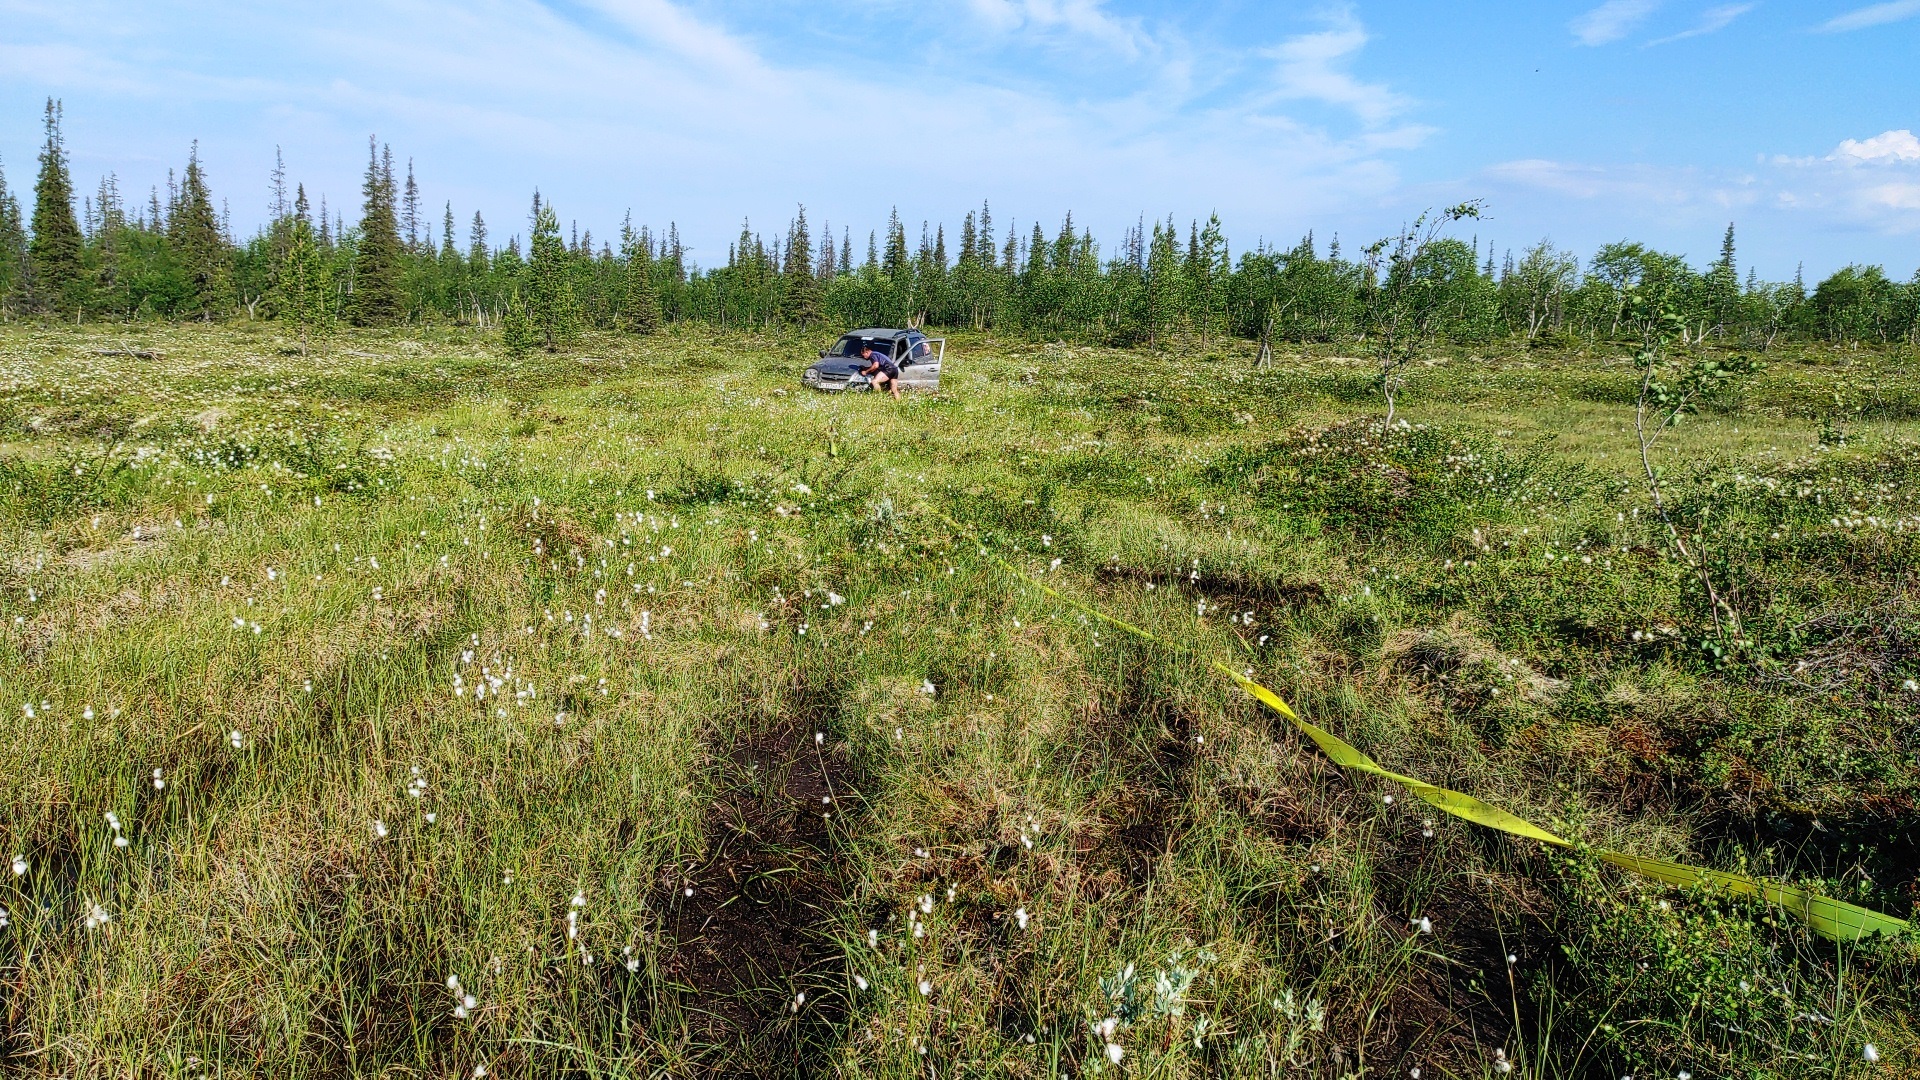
x=1656, y=120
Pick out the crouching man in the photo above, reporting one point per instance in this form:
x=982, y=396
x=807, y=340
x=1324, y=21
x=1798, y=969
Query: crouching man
x=881, y=369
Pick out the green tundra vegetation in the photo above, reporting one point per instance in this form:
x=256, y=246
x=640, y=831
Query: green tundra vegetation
x=542, y=683
x=176, y=258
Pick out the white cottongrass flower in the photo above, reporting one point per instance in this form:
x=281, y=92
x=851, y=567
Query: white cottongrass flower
x=1502, y=1066
x=1020, y=916
x=1684, y=1075
x=19, y=866
x=873, y=939
x=926, y=903
x=862, y=983
x=1910, y=685
x=1425, y=924
x=926, y=988
x=1868, y=1052
x=379, y=829
x=1115, y=1052
x=158, y=783
x=3, y=919
x=799, y=999
x=234, y=738
x=926, y=687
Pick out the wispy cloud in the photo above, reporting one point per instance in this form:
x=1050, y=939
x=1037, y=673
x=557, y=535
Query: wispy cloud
x=1641, y=185
x=1086, y=20
x=1313, y=67
x=1711, y=21
x=1611, y=21
x=1872, y=15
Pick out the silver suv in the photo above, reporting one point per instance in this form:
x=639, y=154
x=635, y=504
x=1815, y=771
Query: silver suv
x=917, y=355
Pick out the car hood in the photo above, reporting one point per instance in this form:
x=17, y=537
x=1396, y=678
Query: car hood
x=834, y=365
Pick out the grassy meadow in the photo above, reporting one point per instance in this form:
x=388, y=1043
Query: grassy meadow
x=409, y=710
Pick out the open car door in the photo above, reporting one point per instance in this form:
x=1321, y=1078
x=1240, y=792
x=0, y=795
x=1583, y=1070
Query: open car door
x=920, y=368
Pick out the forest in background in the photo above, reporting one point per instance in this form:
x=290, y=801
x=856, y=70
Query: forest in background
x=176, y=257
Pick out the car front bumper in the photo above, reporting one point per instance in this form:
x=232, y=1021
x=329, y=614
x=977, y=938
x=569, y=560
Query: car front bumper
x=814, y=379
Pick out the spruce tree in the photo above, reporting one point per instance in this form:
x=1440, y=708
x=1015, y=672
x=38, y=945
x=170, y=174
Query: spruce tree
x=108, y=281
x=377, y=296
x=13, y=241
x=802, y=301
x=478, y=256
x=639, y=301
x=550, y=298
x=410, y=212
x=55, y=281
x=1723, y=284
x=1163, y=286
x=896, y=258
x=985, y=254
x=823, y=270
x=199, y=247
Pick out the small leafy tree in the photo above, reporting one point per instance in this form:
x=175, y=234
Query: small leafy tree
x=517, y=332
x=1670, y=390
x=1406, y=301
x=303, y=285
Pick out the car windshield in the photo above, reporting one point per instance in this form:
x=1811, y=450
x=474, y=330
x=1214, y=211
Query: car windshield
x=850, y=346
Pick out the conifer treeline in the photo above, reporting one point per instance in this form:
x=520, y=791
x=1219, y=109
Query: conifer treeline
x=176, y=258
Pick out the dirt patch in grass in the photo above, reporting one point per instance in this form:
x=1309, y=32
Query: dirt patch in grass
x=1232, y=592
x=756, y=929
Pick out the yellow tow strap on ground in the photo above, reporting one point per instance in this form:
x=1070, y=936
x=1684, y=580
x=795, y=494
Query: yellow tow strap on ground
x=1831, y=918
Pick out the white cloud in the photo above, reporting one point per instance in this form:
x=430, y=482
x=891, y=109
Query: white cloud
x=1884, y=148
x=1712, y=20
x=1312, y=67
x=1872, y=15
x=1611, y=21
